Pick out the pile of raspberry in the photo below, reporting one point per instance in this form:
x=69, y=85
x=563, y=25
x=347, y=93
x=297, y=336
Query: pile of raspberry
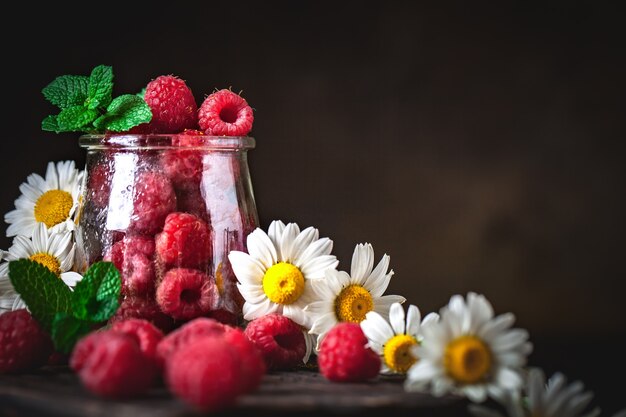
x=161, y=215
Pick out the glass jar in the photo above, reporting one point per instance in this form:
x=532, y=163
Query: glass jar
x=167, y=210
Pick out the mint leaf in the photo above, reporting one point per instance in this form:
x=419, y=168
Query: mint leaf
x=123, y=113
x=67, y=329
x=50, y=124
x=67, y=91
x=95, y=297
x=42, y=291
x=75, y=118
x=100, y=87
x=142, y=93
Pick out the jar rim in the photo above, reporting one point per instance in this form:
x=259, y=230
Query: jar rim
x=164, y=141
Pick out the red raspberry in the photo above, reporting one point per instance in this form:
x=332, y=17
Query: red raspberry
x=225, y=113
x=184, y=242
x=280, y=341
x=23, y=344
x=142, y=308
x=132, y=256
x=186, y=293
x=99, y=183
x=205, y=373
x=153, y=200
x=344, y=357
x=224, y=316
x=250, y=359
x=200, y=327
x=111, y=364
x=145, y=334
x=173, y=106
x=184, y=167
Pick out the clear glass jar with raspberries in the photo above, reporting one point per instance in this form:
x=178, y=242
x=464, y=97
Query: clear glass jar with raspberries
x=167, y=209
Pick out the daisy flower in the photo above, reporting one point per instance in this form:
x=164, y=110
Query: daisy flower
x=393, y=339
x=348, y=298
x=53, y=250
x=469, y=351
x=554, y=399
x=275, y=275
x=51, y=201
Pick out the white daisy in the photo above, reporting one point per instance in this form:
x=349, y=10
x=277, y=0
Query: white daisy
x=53, y=250
x=51, y=201
x=469, y=351
x=348, y=298
x=555, y=399
x=275, y=276
x=393, y=339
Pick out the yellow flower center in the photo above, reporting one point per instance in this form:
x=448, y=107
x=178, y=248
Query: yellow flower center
x=353, y=303
x=283, y=283
x=49, y=261
x=53, y=207
x=467, y=359
x=397, y=353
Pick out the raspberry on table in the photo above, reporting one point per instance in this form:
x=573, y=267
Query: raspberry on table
x=184, y=242
x=205, y=373
x=142, y=308
x=344, y=357
x=173, y=106
x=146, y=334
x=250, y=360
x=279, y=339
x=23, y=343
x=153, y=199
x=225, y=113
x=133, y=257
x=111, y=364
x=186, y=293
x=200, y=327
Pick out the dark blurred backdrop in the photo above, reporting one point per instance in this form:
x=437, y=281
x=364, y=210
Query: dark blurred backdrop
x=481, y=146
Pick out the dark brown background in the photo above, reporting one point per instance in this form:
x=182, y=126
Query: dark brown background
x=480, y=146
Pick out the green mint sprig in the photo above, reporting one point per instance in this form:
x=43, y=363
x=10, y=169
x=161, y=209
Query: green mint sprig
x=67, y=315
x=87, y=104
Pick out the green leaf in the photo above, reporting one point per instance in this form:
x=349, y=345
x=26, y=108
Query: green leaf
x=50, y=124
x=100, y=87
x=43, y=292
x=75, y=118
x=67, y=329
x=67, y=91
x=123, y=113
x=142, y=93
x=95, y=297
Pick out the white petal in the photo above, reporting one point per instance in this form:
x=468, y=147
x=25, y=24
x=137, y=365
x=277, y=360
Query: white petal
x=413, y=319
x=309, y=341
x=296, y=314
x=362, y=263
x=71, y=278
x=252, y=293
x=509, y=340
x=480, y=311
x=382, y=304
x=302, y=242
x=396, y=318
x=475, y=393
x=316, y=249
x=275, y=233
x=316, y=267
x=495, y=326
x=508, y=379
x=253, y=311
x=290, y=233
x=248, y=270
x=323, y=324
x=376, y=328
x=260, y=247
x=378, y=279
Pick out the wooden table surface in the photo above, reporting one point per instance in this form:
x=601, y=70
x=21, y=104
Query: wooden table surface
x=57, y=392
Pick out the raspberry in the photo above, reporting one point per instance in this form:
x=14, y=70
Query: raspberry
x=279, y=340
x=225, y=113
x=224, y=316
x=250, y=359
x=145, y=334
x=205, y=373
x=173, y=106
x=132, y=256
x=99, y=183
x=184, y=242
x=142, y=308
x=186, y=293
x=111, y=364
x=197, y=328
x=23, y=344
x=153, y=200
x=343, y=356
x=184, y=167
